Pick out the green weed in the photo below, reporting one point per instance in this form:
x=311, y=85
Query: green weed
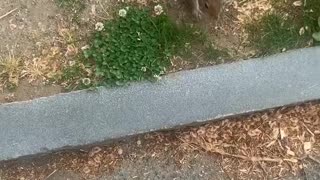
x=76, y=77
x=213, y=53
x=311, y=15
x=316, y=35
x=137, y=46
x=312, y=18
x=273, y=33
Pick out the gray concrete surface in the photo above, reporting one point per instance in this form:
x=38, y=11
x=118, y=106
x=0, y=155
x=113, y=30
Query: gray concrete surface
x=199, y=95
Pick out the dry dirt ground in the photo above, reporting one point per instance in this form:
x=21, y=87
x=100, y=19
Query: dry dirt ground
x=281, y=143
x=39, y=38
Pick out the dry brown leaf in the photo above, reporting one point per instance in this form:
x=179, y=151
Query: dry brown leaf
x=271, y=143
x=255, y=132
x=86, y=170
x=275, y=133
x=291, y=160
x=283, y=134
x=289, y=152
x=307, y=147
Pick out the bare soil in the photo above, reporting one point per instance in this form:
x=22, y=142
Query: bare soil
x=26, y=91
x=281, y=143
x=26, y=32
x=29, y=28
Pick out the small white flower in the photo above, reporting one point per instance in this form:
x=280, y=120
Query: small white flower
x=139, y=38
x=286, y=16
x=86, y=81
x=122, y=13
x=127, y=8
x=85, y=47
x=144, y=69
x=158, y=9
x=72, y=63
x=301, y=31
x=157, y=77
x=297, y=3
x=99, y=26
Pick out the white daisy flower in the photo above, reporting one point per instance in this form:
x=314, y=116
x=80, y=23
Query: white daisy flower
x=122, y=13
x=158, y=9
x=86, y=81
x=99, y=26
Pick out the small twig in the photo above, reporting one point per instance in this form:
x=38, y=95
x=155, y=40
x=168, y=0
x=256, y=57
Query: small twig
x=263, y=169
x=305, y=126
x=102, y=7
x=223, y=170
x=102, y=17
x=8, y=13
x=51, y=174
x=314, y=159
x=254, y=159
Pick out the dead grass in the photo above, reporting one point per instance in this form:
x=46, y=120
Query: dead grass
x=10, y=69
x=48, y=66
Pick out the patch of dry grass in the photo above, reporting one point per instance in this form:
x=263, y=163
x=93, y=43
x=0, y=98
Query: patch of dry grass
x=10, y=69
x=49, y=65
x=41, y=68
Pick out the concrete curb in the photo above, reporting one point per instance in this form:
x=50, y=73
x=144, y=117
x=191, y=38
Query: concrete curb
x=83, y=117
